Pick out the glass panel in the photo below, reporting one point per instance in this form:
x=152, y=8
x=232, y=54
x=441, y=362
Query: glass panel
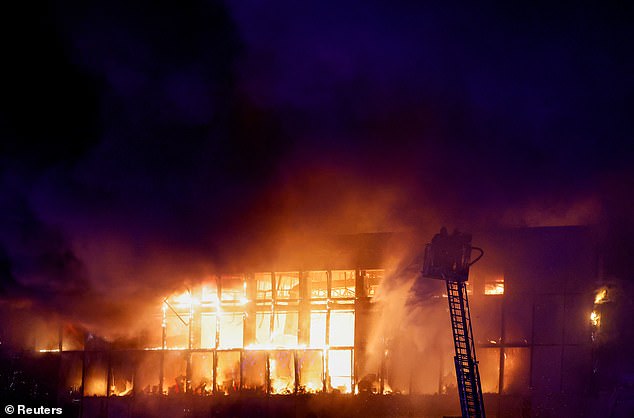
x=263, y=328
x=317, y=284
x=282, y=368
x=209, y=293
x=518, y=319
x=371, y=281
x=146, y=379
x=122, y=374
x=516, y=370
x=311, y=369
x=287, y=285
x=207, y=330
x=340, y=370
x=577, y=324
x=342, y=284
x=228, y=380
x=263, y=286
x=489, y=359
x=254, y=371
x=233, y=288
x=550, y=316
x=285, y=329
x=487, y=319
x=341, y=328
x=202, y=373
x=96, y=374
x=231, y=330
x=177, y=333
x=494, y=285
x=175, y=372
x=317, y=328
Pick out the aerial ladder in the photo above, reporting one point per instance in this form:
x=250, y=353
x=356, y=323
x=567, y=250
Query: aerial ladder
x=448, y=258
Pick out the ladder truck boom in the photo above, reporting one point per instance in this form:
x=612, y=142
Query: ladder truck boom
x=448, y=258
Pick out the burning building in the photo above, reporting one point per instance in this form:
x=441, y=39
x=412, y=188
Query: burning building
x=349, y=326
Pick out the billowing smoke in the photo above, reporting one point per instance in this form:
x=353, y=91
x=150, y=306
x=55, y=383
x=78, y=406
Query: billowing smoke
x=148, y=146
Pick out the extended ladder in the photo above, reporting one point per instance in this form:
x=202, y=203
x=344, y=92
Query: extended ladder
x=448, y=258
x=467, y=373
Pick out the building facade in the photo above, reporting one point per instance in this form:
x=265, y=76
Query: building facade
x=316, y=331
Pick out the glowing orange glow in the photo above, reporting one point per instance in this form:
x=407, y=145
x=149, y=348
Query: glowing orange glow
x=318, y=329
x=387, y=389
x=228, y=379
x=342, y=328
x=340, y=370
x=311, y=366
x=601, y=296
x=126, y=391
x=282, y=372
x=95, y=383
x=595, y=319
x=184, y=300
x=241, y=341
x=209, y=294
x=495, y=287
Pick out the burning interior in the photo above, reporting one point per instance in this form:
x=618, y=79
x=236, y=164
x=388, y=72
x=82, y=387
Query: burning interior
x=366, y=329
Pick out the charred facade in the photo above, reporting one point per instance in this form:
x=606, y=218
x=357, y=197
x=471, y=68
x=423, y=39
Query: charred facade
x=536, y=310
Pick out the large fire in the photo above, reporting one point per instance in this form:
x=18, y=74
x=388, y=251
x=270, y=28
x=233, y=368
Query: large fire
x=274, y=333
x=278, y=333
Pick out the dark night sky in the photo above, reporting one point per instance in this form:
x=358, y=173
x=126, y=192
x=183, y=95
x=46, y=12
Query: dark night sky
x=178, y=133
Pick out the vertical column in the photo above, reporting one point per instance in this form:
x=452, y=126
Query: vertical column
x=214, y=374
x=304, y=310
x=218, y=310
x=217, y=334
x=324, y=368
x=353, y=376
x=502, y=354
x=360, y=316
x=296, y=371
x=327, y=349
x=109, y=376
x=268, y=373
x=273, y=301
x=190, y=343
x=382, y=372
x=249, y=310
x=272, y=329
x=83, y=376
x=163, y=347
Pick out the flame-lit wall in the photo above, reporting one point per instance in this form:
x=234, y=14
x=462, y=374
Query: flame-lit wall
x=274, y=332
x=318, y=331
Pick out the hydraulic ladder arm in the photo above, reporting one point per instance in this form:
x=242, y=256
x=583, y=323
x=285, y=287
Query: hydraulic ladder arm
x=448, y=258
